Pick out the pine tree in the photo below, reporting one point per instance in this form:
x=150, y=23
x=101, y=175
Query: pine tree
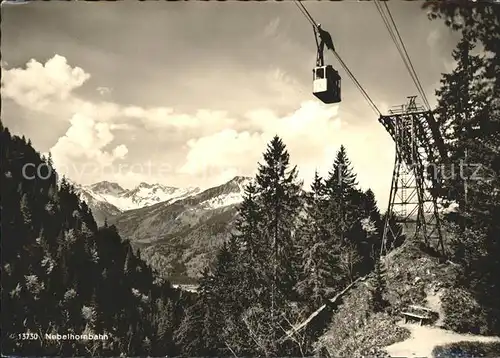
x=342, y=193
x=26, y=210
x=341, y=180
x=279, y=199
x=256, y=270
x=458, y=106
x=469, y=98
x=373, y=227
x=378, y=301
x=190, y=333
x=319, y=267
x=348, y=217
x=215, y=295
x=370, y=208
x=250, y=240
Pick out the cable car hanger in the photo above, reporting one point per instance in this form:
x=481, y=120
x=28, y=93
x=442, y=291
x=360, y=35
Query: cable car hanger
x=328, y=91
x=326, y=80
x=325, y=39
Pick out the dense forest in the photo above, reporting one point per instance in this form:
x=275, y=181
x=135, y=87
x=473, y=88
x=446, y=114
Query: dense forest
x=468, y=112
x=64, y=274
x=291, y=250
x=61, y=274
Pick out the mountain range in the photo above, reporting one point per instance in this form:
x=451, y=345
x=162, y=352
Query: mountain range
x=178, y=230
x=107, y=199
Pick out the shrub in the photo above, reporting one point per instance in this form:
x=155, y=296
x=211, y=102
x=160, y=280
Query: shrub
x=467, y=349
x=462, y=313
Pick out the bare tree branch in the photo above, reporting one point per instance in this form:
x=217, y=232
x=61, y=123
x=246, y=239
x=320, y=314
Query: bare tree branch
x=303, y=324
x=228, y=347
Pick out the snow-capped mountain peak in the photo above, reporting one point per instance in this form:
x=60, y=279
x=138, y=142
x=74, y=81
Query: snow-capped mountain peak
x=106, y=187
x=108, y=199
x=149, y=194
x=226, y=194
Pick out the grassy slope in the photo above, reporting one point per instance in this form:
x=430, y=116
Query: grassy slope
x=411, y=275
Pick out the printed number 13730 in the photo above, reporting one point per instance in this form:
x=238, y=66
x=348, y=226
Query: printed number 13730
x=27, y=336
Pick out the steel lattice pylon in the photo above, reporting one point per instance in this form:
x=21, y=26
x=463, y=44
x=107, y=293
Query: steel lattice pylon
x=412, y=199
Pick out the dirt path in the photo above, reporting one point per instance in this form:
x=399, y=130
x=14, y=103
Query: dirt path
x=434, y=303
x=425, y=338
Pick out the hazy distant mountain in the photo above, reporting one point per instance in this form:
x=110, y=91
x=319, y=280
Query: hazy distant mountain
x=180, y=237
x=101, y=208
x=107, y=199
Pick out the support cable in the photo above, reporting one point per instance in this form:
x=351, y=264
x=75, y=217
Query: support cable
x=308, y=16
x=388, y=19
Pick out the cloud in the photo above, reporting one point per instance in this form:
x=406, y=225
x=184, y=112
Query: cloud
x=202, y=148
x=272, y=27
x=313, y=134
x=307, y=133
x=38, y=86
x=163, y=117
x=120, y=151
x=283, y=86
x=50, y=88
x=83, y=143
x=434, y=38
x=103, y=90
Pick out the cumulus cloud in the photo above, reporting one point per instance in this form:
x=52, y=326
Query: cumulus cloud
x=120, y=151
x=163, y=117
x=313, y=134
x=211, y=155
x=39, y=85
x=103, y=90
x=84, y=143
x=50, y=87
x=307, y=133
x=283, y=87
x=218, y=146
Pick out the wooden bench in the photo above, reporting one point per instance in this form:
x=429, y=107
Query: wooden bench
x=413, y=316
x=420, y=308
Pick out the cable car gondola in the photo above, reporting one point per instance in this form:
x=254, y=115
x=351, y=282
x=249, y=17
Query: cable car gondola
x=326, y=84
x=326, y=80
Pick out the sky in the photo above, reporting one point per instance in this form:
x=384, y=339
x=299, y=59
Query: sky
x=190, y=93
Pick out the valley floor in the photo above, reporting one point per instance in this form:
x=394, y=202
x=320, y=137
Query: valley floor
x=425, y=338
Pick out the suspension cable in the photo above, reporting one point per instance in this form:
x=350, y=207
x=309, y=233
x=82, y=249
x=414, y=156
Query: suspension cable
x=388, y=19
x=306, y=13
x=308, y=16
x=418, y=83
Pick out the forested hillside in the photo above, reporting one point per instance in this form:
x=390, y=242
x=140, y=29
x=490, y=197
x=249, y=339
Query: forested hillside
x=468, y=111
x=63, y=275
x=291, y=252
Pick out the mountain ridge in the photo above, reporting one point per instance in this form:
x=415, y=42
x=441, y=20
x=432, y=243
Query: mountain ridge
x=180, y=238
x=107, y=199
